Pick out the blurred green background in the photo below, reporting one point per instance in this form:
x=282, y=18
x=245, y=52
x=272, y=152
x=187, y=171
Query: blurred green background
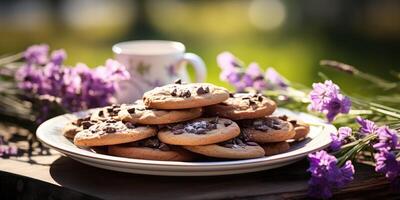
x=291, y=36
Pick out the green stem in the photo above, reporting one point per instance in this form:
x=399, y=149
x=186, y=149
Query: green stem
x=10, y=59
x=354, y=147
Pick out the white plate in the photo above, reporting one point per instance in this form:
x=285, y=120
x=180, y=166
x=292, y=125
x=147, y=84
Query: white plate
x=50, y=134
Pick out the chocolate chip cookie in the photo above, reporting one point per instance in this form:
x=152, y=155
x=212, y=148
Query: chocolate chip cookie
x=111, y=132
x=138, y=113
x=243, y=106
x=181, y=96
x=268, y=129
x=200, y=131
x=275, y=148
x=151, y=149
x=301, y=128
x=236, y=148
x=76, y=125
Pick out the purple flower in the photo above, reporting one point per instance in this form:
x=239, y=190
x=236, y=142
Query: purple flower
x=386, y=163
x=326, y=98
x=367, y=126
x=236, y=75
x=274, y=79
x=227, y=60
x=116, y=70
x=326, y=175
x=339, y=137
x=231, y=69
x=58, y=56
x=254, y=71
x=74, y=88
x=259, y=85
x=37, y=54
x=254, y=78
x=340, y=104
x=387, y=139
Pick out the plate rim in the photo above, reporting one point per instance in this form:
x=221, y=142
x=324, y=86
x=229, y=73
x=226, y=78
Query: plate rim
x=41, y=132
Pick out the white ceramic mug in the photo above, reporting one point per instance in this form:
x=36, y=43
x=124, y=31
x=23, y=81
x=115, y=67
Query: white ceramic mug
x=153, y=63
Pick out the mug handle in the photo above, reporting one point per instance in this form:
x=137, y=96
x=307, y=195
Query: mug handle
x=198, y=65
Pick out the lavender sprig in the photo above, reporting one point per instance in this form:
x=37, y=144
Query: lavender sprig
x=53, y=88
x=375, y=136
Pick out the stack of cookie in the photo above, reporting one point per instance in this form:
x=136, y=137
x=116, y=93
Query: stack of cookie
x=181, y=122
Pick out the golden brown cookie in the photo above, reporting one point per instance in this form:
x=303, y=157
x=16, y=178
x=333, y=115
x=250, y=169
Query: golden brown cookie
x=76, y=125
x=236, y=148
x=275, y=148
x=268, y=129
x=138, y=113
x=301, y=128
x=151, y=149
x=243, y=106
x=112, y=132
x=181, y=96
x=200, y=131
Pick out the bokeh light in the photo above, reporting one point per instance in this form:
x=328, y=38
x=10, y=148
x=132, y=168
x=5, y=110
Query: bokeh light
x=267, y=14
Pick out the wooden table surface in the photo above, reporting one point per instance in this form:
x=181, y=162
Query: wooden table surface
x=53, y=176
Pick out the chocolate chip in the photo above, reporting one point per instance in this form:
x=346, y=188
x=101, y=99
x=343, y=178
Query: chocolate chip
x=131, y=110
x=201, y=131
x=101, y=113
x=276, y=126
x=231, y=94
x=201, y=90
x=293, y=122
x=251, y=102
x=175, y=126
x=178, y=81
x=186, y=94
x=227, y=123
x=244, y=98
x=152, y=142
x=86, y=124
x=110, y=109
x=262, y=127
x=174, y=92
x=190, y=129
x=129, y=125
x=114, y=112
x=110, y=130
x=283, y=117
x=260, y=98
x=251, y=143
x=163, y=147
